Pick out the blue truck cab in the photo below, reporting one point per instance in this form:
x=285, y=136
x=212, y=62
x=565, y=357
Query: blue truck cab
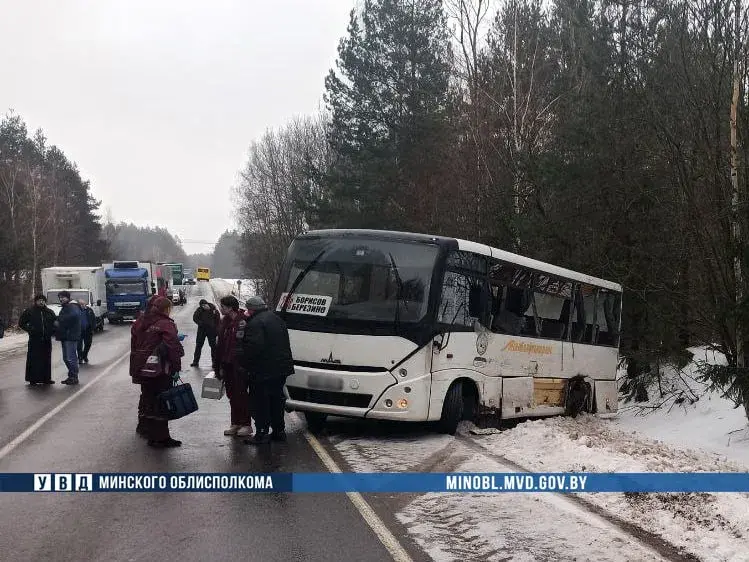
x=128, y=291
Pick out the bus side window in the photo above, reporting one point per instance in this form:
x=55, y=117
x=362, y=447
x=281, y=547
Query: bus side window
x=608, y=303
x=455, y=303
x=509, y=308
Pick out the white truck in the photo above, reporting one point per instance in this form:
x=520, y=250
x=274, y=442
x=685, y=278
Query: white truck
x=83, y=283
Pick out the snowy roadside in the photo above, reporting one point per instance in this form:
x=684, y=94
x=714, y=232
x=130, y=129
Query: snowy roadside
x=221, y=288
x=246, y=290
x=12, y=343
x=690, y=417
x=490, y=527
x=710, y=526
x=696, y=431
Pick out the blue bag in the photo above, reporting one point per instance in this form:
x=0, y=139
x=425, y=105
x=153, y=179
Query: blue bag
x=178, y=401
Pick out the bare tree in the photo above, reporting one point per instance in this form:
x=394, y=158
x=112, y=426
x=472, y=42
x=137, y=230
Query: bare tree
x=276, y=193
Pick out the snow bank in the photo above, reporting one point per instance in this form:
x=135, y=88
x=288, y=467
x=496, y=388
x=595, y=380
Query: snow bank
x=248, y=288
x=223, y=287
x=702, y=420
x=518, y=527
x=458, y=527
x=12, y=342
x=710, y=526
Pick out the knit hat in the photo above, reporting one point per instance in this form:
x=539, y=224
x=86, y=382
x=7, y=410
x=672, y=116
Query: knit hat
x=255, y=303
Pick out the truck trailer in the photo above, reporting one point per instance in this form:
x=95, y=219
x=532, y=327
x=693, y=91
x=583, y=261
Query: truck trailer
x=86, y=283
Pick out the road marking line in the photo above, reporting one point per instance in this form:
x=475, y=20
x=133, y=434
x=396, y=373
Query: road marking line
x=54, y=411
x=387, y=538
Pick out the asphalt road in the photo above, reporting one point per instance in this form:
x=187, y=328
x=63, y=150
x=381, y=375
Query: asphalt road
x=95, y=432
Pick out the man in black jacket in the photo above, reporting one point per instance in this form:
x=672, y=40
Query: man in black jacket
x=264, y=351
x=68, y=332
x=88, y=325
x=207, y=318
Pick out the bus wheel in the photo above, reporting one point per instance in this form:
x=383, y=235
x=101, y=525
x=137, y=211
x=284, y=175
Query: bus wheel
x=315, y=421
x=452, y=409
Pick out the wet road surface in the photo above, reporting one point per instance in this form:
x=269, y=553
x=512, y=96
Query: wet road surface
x=95, y=432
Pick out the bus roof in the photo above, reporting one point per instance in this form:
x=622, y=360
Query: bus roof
x=467, y=246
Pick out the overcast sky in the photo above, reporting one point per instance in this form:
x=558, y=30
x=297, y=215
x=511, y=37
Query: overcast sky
x=157, y=101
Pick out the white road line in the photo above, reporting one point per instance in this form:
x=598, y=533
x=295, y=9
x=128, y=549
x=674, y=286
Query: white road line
x=387, y=538
x=53, y=412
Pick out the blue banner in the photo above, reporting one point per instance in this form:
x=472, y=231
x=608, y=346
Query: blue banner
x=380, y=482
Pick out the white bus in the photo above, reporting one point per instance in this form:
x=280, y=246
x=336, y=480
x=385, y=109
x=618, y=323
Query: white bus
x=413, y=327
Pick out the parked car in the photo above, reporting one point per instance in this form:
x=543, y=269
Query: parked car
x=178, y=297
x=190, y=281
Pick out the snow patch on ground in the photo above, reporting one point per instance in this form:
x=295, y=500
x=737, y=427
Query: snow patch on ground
x=223, y=287
x=397, y=454
x=703, y=420
x=711, y=526
x=517, y=527
x=12, y=342
x=248, y=288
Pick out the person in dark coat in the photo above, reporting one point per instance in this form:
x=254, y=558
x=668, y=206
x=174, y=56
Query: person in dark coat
x=207, y=318
x=88, y=325
x=134, y=329
x=264, y=351
x=68, y=333
x=155, y=334
x=39, y=322
x=234, y=377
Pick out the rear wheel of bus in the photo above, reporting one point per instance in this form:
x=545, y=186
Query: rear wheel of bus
x=315, y=421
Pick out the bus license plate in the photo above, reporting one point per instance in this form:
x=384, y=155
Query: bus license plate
x=325, y=382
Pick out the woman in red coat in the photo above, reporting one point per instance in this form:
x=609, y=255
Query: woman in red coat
x=235, y=379
x=155, y=334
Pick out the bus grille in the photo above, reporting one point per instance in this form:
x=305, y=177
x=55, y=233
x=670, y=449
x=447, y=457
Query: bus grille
x=331, y=398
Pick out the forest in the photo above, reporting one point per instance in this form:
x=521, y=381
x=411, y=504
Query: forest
x=47, y=214
x=606, y=136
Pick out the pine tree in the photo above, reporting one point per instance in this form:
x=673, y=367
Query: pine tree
x=388, y=101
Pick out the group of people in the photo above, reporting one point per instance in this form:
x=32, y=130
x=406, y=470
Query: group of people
x=250, y=352
x=73, y=328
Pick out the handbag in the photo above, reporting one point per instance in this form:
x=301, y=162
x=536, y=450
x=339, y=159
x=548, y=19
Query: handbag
x=178, y=401
x=213, y=388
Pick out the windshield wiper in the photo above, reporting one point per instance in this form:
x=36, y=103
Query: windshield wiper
x=398, y=298
x=298, y=280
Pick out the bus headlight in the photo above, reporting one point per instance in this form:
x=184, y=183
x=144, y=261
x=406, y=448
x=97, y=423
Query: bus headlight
x=403, y=372
x=402, y=403
x=388, y=403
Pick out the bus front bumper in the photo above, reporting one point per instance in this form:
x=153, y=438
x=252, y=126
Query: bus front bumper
x=407, y=400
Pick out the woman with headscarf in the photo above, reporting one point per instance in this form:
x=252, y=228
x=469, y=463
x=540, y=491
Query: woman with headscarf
x=155, y=335
x=134, y=329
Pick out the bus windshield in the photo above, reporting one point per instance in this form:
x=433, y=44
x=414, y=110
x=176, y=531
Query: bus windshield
x=359, y=280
